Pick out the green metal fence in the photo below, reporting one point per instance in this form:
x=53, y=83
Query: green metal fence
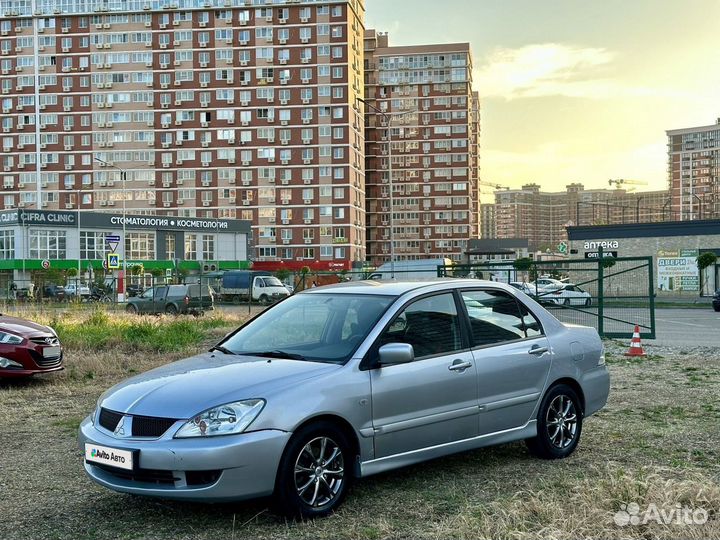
x=611, y=294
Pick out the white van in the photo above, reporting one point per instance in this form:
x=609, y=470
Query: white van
x=412, y=270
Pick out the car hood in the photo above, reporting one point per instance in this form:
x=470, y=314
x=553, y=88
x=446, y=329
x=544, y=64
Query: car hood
x=22, y=327
x=187, y=387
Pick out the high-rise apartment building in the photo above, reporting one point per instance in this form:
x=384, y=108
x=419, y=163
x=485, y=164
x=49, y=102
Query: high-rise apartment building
x=425, y=95
x=195, y=108
x=542, y=217
x=694, y=172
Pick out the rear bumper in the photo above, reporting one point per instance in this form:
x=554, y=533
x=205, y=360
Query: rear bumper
x=596, y=387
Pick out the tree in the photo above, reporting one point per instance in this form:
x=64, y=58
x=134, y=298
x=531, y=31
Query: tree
x=523, y=264
x=282, y=274
x=704, y=261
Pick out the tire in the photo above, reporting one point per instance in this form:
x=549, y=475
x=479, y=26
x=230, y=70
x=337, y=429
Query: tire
x=171, y=309
x=550, y=442
x=264, y=300
x=588, y=302
x=566, y=302
x=132, y=309
x=716, y=308
x=299, y=492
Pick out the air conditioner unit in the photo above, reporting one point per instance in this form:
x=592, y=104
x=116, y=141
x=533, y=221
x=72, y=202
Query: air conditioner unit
x=111, y=203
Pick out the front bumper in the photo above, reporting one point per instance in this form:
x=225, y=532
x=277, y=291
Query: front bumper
x=247, y=464
x=18, y=372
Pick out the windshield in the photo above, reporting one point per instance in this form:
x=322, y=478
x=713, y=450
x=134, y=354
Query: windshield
x=272, y=282
x=314, y=327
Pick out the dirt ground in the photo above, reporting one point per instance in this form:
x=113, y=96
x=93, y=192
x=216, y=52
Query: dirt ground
x=656, y=443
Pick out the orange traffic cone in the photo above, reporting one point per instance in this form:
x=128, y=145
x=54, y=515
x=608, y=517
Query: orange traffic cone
x=635, y=344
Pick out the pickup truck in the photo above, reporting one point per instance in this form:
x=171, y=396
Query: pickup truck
x=173, y=300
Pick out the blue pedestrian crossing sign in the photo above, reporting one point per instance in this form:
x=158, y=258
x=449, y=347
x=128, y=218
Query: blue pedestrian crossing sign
x=113, y=261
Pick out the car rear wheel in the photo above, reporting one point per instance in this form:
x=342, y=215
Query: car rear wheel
x=131, y=308
x=170, y=309
x=559, y=424
x=716, y=308
x=314, y=472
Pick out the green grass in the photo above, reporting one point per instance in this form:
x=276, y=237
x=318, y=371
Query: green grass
x=100, y=330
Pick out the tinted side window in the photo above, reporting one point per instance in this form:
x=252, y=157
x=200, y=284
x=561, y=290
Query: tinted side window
x=494, y=316
x=431, y=325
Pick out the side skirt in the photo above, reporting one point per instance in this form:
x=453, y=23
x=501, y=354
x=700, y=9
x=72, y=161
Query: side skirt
x=375, y=466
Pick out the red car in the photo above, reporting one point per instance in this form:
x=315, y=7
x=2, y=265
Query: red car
x=27, y=348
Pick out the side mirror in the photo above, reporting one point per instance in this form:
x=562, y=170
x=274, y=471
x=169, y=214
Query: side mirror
x=396, y=353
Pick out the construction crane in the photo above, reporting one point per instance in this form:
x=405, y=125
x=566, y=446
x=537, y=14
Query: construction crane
x=496, y=186
x=620, y=182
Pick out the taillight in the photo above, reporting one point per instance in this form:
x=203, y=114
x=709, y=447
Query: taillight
x=557, y=292
x=187, y=300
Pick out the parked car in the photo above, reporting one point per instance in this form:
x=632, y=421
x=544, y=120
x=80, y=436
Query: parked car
x=53, y=292
x=28, y=348
x=173, y=300
x=73, y=290
x=347, y=381
x=521, y=286
x=716, y=301
x=570, y=294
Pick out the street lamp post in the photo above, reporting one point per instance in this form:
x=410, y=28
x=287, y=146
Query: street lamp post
x=123, y=175
x=388, y=117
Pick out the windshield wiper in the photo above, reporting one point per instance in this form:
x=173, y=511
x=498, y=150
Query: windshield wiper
x=276, y=354
x=223, y=350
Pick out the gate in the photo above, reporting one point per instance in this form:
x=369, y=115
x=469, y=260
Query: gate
x=610, y=294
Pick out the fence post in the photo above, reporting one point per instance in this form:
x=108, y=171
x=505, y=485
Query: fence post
x=651, y=293
x=601, y=293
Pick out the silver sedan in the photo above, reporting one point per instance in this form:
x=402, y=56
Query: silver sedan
x=342, y=382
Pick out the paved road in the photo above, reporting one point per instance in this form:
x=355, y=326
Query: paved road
x=687, y=327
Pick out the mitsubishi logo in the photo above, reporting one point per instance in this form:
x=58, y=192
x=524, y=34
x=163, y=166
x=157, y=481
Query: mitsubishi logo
x=123, y=429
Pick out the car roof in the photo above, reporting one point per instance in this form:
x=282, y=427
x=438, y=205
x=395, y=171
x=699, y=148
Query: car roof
x=400, y=287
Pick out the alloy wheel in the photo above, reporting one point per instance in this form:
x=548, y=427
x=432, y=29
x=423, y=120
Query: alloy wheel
x=561, y=421
x=319, y=472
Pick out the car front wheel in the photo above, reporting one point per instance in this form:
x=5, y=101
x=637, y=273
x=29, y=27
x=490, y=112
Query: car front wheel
x=559, y=424
x=314, y=472
x=131, y=308
x=170, y=309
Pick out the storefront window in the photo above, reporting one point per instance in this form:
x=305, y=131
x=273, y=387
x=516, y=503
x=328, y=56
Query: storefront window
x=47, y=245
x=190, y=247
x=92, y=245
x=7, y=244
x=170, y=247
x=208, y=247
x=140, y=246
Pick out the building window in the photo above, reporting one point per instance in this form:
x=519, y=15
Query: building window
x=140, y=246
x=7, y=245
x=92, y=245
x=170, y=247
x=190, y=247
x=208, y=247
x=47, y=245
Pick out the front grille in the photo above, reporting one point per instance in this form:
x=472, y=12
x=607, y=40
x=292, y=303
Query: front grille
x=160, y=477
x=142, y=426
x=148, y=476
x=43, y=362
x=51, y=341
x=109, y=419
x=150, y=426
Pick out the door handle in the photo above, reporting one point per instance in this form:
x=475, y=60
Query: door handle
x=537, y=350
x=459, y=365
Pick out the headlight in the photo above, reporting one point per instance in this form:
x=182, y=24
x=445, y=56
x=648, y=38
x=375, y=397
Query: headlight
x=10, y=338
x=223, y=420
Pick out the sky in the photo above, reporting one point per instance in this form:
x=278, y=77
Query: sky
x=575, y=90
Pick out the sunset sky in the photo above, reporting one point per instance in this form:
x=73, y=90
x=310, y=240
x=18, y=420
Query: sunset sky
x=575, y=91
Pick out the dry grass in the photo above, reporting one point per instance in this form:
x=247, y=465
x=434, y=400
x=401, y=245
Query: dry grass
x=657, y=441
